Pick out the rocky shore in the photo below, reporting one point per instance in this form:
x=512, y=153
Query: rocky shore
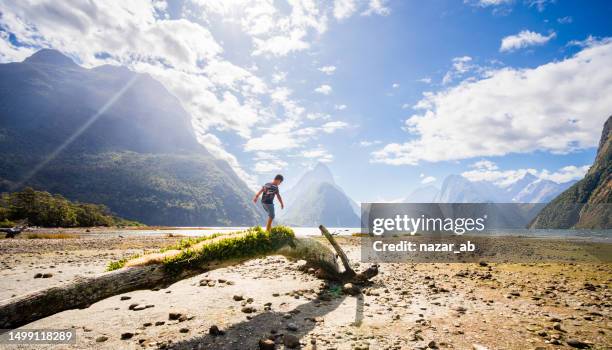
x=271, y=303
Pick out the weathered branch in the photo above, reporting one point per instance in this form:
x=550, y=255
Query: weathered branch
x=166, y=267
x=348, y=270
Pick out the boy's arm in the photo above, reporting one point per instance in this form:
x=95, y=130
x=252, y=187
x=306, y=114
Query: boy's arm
x=257, y=195
x=280, y=199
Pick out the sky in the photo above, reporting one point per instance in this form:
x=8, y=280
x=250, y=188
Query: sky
x=391, y=95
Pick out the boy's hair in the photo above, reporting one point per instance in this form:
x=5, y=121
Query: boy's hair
x=279, y=177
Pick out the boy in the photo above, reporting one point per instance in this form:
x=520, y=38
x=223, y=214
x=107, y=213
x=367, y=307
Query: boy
x=268, y=191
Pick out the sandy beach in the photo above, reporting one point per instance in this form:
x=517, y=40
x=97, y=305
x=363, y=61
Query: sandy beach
x=408, y=306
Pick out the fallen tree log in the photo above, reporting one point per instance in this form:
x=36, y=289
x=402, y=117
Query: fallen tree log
x=189, y=258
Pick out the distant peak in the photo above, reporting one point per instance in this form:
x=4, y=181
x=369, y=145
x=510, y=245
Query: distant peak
x=50, y=56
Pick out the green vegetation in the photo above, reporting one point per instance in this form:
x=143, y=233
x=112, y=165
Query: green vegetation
x=44, y=209
x=243, y=244
x=588, y=203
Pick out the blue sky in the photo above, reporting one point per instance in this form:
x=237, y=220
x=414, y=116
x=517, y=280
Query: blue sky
x=392, y=95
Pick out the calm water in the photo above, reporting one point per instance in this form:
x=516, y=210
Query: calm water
x=596, y=235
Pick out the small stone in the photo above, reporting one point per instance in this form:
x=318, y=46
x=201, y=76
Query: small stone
x=38, y=275
x=292, y=327
x=125, y=297
x=350, y=289
x=577, y=344
x=248, y=309
x=47, y=275
x=101, y=339
x=483, y=263
x=238, y=297
x=160, y=323
x=291, y=341
x=126, y=335
x=266, y=344
x=132, y=306
x=432, y=345
x=147, y=324
x=215, y=331
x=173, y=316
x=184, y=330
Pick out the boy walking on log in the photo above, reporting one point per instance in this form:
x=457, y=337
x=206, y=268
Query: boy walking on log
x=267, y=192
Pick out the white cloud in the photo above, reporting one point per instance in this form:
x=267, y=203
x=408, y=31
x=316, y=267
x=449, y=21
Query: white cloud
x=395, y=85
x=266, y=163
x=319, y=153
x=366, y=143
x=340, y=107
x=505, y=178
x=540, y=4
x=317, y=116
x=427, y=180
x=331, y=127
x=406, y=106
x=324, y=89
x=425, y=80
x=557, y=107
x=524, y=39
x=460, y=66
x=484, y=165
x=344, y=9
x=565, y=20
x=377, y=7
x=329, y=70
x=486, y=3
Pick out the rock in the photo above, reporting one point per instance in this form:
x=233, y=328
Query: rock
x=132, y=306
x=38, y=275
x=432, y=345
x=292, y=327
x=173, y=316
x=479, y=347
x=248, y=309
x=47, y=275
x=160, y=323
x=238, y=297
x=577, y=344
x=291, y=341
x=147, y=324
x=215, y=331
x=125, y=297
x=483, y=264
x=126, y=335
x=101, y=339
x=266, y=344
x=184, y=330
x=557, y=326
x=350, y=289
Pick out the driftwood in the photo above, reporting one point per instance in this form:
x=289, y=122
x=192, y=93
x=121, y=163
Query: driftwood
x=13, y=231
x=153, y=273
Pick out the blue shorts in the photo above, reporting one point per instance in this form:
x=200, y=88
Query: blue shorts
x=269, y=208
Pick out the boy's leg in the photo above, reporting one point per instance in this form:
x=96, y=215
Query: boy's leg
x=269, y=225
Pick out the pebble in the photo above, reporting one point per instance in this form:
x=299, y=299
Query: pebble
x=266, y=344
x=126, y=335
x=291, y=341
x=101, y=339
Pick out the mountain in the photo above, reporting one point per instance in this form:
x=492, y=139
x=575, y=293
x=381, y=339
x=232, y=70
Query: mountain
x=458, y=189
x=541, y=191
x=110, y=136
x=588, y=203
x=528, y=189
x=317, y=200
x=426, y=194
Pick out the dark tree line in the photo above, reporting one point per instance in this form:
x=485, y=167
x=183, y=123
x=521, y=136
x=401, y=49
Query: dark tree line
x=38, y=208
